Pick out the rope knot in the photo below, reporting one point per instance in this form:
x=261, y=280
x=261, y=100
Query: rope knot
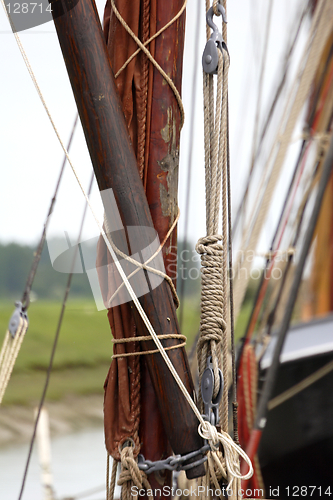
x=129, y=468
x=231, y=453
x=212, y=323
x=208, y=245
x=209, y=432
x=130, y=474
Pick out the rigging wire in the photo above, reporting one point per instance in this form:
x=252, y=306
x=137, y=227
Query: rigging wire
x=38, y=253
x=55, y=343
x=270, y=113
x=268, y=387
x=259, y=97
x=259, y=293
x=190, y=163
x=313, y=122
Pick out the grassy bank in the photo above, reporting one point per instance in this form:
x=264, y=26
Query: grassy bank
x=83, y=353
x=82, y=357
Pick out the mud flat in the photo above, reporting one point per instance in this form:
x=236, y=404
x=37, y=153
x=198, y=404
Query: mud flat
x=66, y=416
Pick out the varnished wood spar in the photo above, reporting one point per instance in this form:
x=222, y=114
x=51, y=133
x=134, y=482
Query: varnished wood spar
x=114, y=163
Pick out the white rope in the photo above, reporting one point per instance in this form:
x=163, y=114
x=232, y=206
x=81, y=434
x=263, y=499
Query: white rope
x=150, y=57
x=9, y=352
x=208, y=429
x=144, y=265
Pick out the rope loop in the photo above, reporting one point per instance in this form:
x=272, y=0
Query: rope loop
x=231, y=452
x=131, y=475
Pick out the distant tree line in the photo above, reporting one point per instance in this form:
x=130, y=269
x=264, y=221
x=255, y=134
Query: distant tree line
x=15, y=265
x=16, y=261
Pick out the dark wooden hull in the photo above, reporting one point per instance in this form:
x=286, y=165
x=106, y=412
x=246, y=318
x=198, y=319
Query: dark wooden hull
x=296, y=448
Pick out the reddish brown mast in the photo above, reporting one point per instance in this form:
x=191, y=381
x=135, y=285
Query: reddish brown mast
x=115, y=166
x=153, y=119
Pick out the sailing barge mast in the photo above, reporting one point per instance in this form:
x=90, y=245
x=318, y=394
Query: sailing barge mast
x=115, y=167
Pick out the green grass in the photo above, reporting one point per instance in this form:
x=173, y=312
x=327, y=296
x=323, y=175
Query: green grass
x=84, y=340
x=191, y=319
x=84, y=348
x=243, y=319
x=83, y=353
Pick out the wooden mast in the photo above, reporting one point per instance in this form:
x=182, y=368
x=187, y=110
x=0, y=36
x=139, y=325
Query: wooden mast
x=114, y=163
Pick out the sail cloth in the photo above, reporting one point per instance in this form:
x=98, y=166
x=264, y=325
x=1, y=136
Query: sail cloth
x=153, y=119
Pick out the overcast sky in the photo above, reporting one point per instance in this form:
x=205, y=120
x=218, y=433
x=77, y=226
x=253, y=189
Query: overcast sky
x=31, y=156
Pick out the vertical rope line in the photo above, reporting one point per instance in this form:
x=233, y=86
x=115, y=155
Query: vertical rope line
x=224, y=160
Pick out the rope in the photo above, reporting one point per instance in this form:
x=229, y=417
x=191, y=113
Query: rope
x=213, y=255
x=11, y=346
x=231, y=452
x=319, y=33
x=142, y=46
x=209, y=430
x=131, y=475
x=145, y=339
x=110, y=482
x=311, y=379
x=139, y=265
x=143, y=92
x=213, y=324
x=9, y=352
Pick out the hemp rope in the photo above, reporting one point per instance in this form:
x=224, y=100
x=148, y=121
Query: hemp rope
x=209, y=430
x=131, y=475
x=143, y=93
x=9, y=352
x=213, y=254
x=319, y=33
x=213, y=325
x=139, y=265
x=147, y=338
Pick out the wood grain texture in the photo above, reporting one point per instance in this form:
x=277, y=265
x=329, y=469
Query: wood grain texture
x=84, y=50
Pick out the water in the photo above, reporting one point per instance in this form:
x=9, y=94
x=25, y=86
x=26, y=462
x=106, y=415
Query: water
x=78, y=465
